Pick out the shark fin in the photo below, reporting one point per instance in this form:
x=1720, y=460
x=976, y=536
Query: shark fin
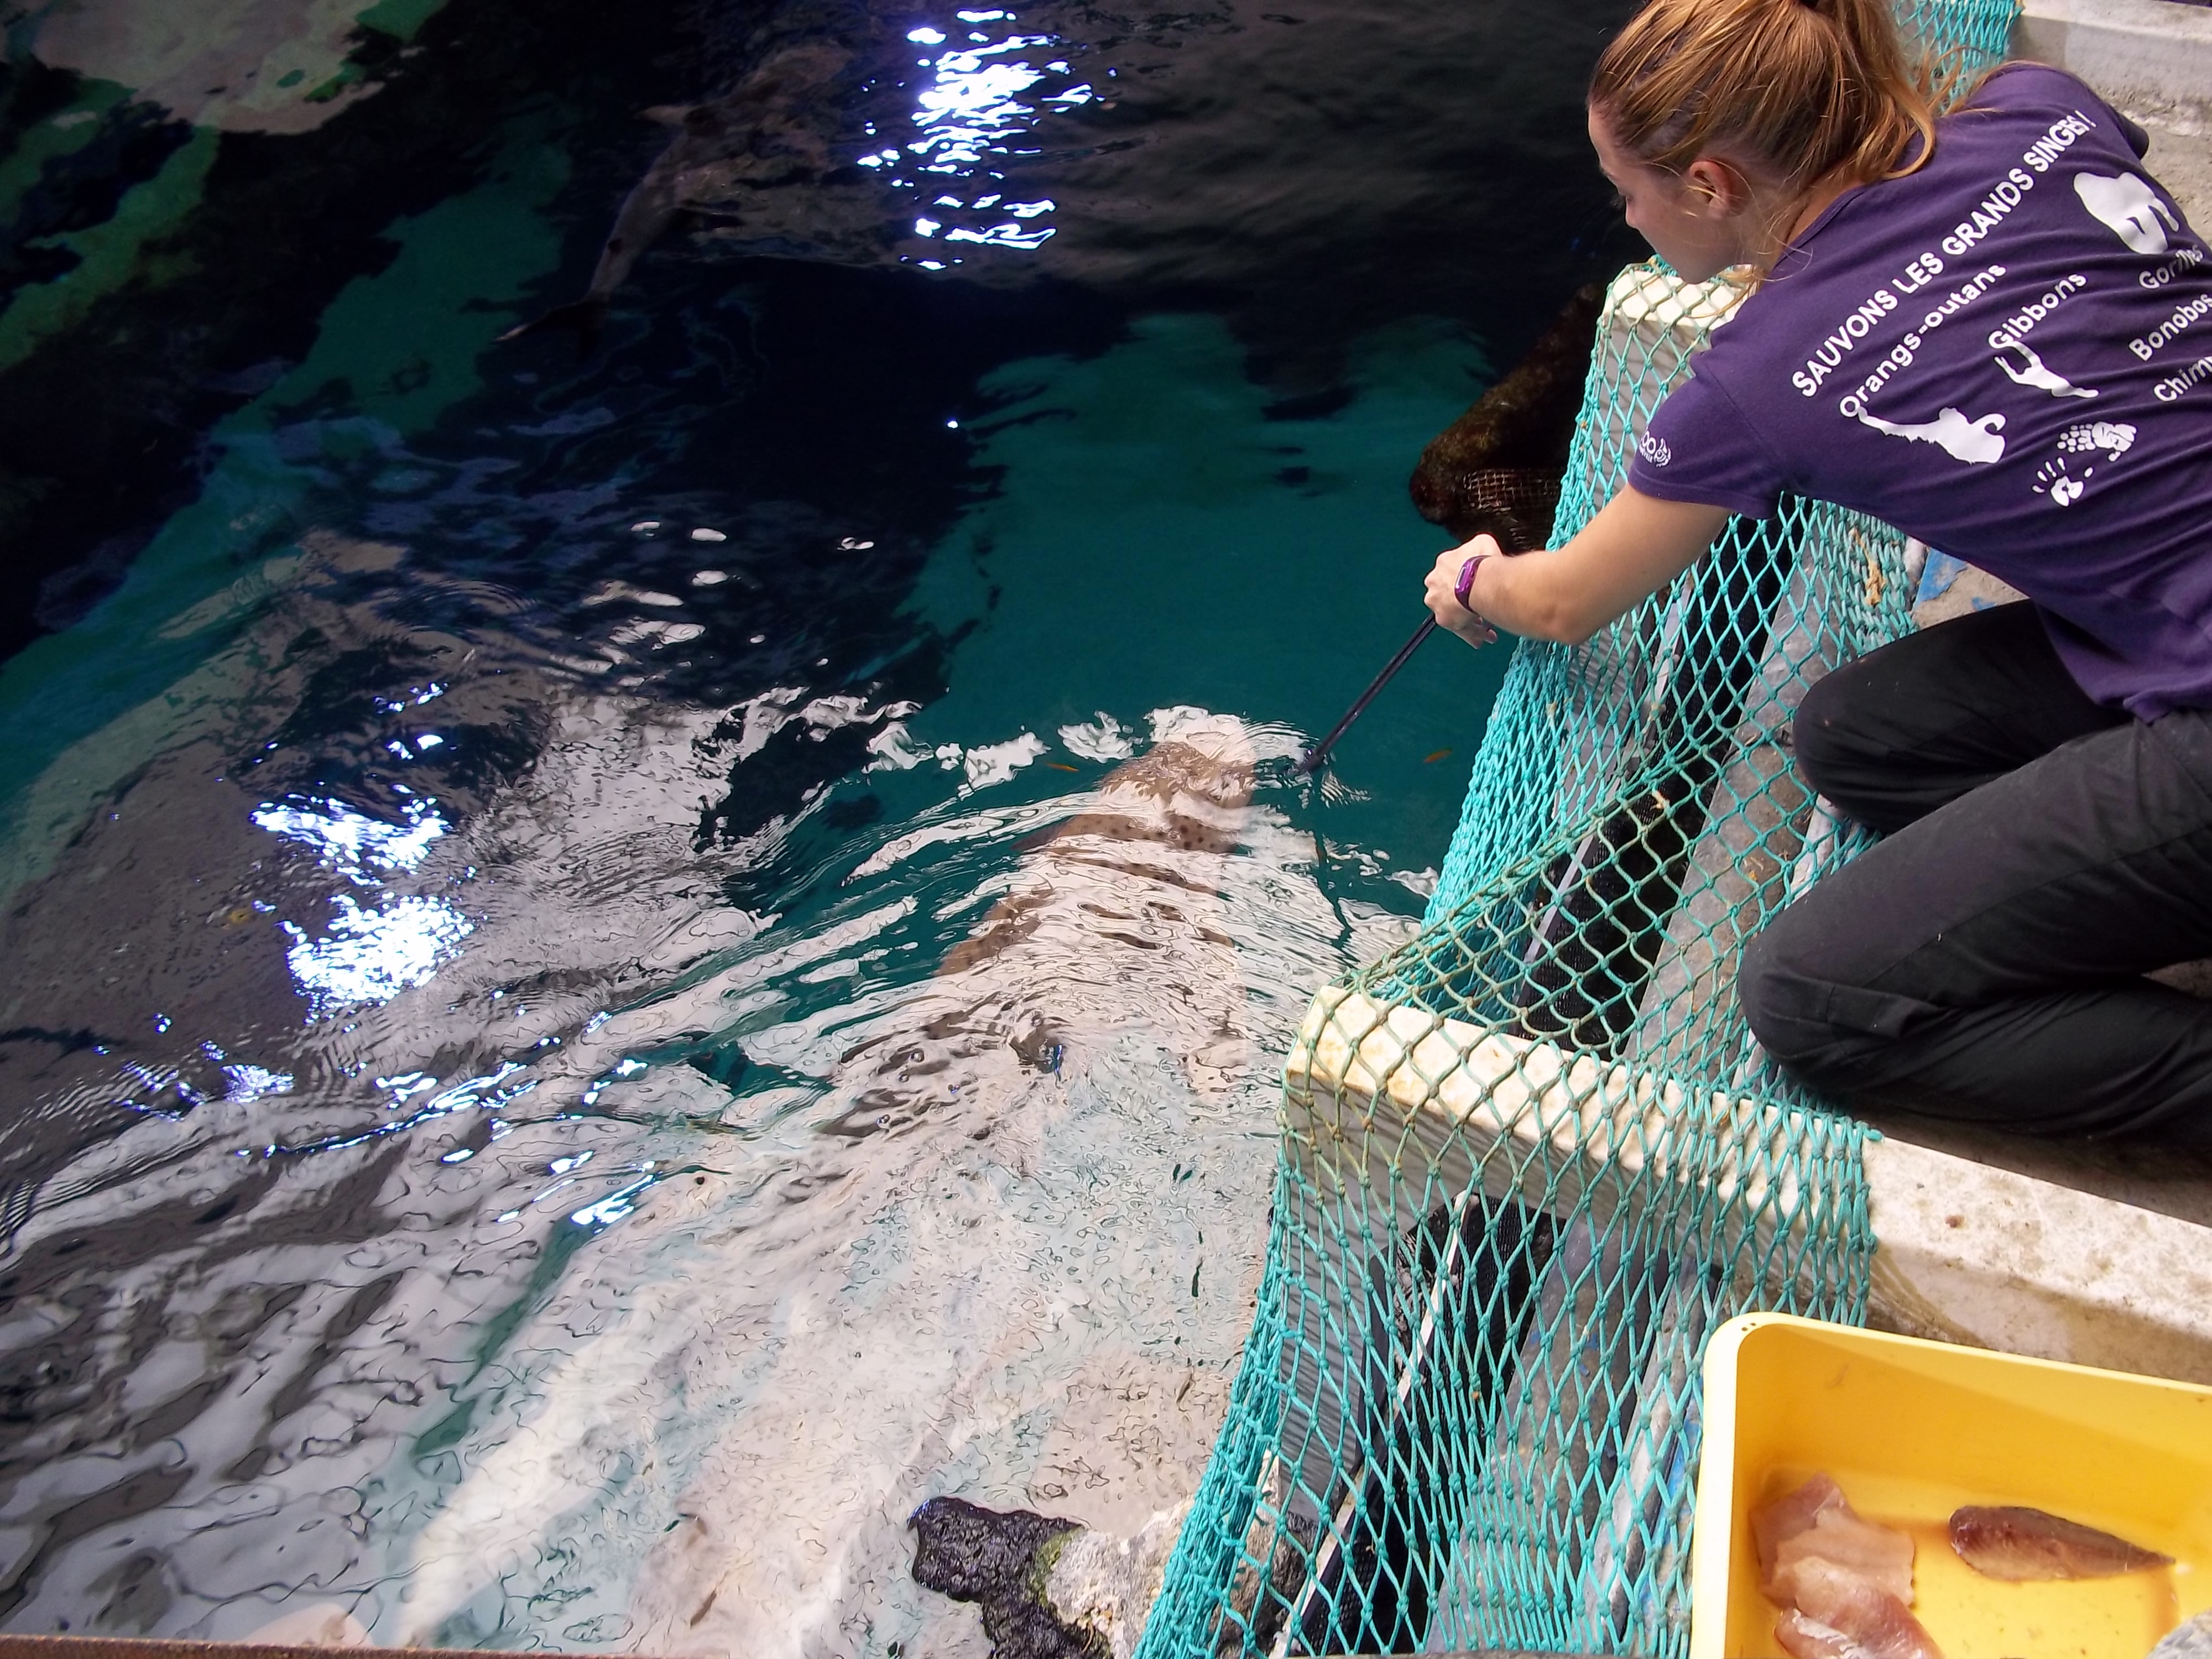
x=584, y=318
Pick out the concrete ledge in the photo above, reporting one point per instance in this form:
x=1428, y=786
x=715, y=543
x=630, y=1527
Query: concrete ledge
x=2148, y=57
x=2152, y=61
x=1998, y=1260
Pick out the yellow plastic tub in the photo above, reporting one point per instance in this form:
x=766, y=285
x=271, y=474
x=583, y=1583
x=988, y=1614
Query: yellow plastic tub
x=1911, y=1431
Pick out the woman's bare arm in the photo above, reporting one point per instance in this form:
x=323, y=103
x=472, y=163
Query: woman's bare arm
x=1634, y=546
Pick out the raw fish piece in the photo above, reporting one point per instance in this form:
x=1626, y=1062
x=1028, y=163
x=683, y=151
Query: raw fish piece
x=1844, y=1585
x=1839, y=1543
x=1814, y=1585
x=1858, y=1622
x=2017, y=1544
x=1870, y=1616
x=1808, y=1639
x=1813, y=1532
x=2190, y=1639
x=1789, y=1515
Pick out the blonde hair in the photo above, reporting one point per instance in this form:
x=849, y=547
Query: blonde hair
x=1804, y=89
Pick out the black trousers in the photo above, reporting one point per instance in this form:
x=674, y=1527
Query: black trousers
x=2041, y=853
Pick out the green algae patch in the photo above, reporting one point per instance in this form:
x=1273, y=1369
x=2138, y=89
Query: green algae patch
x=348, y=73
x=400, y=347
x=54, y=139
x=398, y=18
x=113, y=253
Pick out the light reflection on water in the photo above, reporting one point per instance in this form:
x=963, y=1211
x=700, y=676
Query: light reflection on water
x=371, y=954
x=975, y=115
x=368, y=953
x=856, y=1235
x=561, y=1203
x=351, y=842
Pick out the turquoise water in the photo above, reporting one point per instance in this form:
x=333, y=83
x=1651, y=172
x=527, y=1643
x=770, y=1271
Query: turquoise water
x=1149, y=550
x=559, y=1078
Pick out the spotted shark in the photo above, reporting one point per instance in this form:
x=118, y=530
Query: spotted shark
x=953, y=1268
x=756, y=135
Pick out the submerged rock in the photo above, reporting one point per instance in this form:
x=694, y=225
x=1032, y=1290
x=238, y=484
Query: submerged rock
x=1106, y=1585
x=1496, y=470
x=1047, y=1587
x=1000, y=1561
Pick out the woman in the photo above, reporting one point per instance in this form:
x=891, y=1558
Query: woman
x=1995, y=333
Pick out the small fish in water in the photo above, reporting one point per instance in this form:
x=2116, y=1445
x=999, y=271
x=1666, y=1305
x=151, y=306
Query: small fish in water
x=2017, y=1544
x=2190, y=1639
x=1431, y=759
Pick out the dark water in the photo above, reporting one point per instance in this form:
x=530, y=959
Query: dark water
x=486, y=1144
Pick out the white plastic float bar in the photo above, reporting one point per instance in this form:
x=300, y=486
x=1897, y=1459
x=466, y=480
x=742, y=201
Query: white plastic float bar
x=1965, y=1254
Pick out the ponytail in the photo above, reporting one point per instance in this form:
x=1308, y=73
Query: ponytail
x=1806, y=88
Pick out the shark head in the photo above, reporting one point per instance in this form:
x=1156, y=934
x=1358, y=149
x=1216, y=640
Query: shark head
x=1205, y=762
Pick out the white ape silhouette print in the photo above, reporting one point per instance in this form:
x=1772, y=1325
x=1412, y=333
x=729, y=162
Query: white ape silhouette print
x=2129, y=207
x=1975, y=442
x=2035, y=374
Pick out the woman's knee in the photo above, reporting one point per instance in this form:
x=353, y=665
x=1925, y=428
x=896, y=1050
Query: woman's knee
x=1826, y=735
x=1762, y=991
x=1781, y=992
x=1841, y=1037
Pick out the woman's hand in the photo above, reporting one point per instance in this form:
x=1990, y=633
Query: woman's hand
x=1443, y=595
x=1636, y=545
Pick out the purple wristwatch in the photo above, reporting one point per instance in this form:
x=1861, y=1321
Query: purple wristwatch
x=1464, y=593
x=1466, y=586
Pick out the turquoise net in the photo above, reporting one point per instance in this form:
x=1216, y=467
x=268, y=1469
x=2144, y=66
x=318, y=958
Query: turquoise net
x=1531, y=1159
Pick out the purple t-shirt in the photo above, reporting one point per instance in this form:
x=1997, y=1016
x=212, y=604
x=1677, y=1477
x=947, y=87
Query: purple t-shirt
x=2008, y=355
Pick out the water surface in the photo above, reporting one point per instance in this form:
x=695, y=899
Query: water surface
x=486, y=1140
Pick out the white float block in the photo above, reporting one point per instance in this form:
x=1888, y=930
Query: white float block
x=1392, y=1105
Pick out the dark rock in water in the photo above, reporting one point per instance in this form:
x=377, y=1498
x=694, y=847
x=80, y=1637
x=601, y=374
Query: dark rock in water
x=999, y=1561
x=1150, y=144
x=1259, y=1600
x=1496, y=469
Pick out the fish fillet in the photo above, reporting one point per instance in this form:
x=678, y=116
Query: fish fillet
x=1808, y=1639
x=1890, y=1633
x=1875, y=1623
x=1844, y=1584
x=2017, y=1544
x=1814, y=1532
